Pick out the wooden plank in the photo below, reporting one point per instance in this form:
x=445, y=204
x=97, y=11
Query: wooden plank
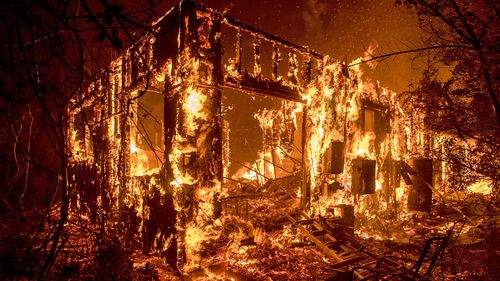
x=350, y=254
x=329, y=252
x=347, y=261
x=306, y=221
x=282, y=92
x=319, y=232
x=320, y=228
x=332, y=244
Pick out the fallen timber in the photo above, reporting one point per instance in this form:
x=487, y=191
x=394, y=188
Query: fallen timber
x=342, y=252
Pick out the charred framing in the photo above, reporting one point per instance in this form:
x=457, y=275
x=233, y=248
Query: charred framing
x=150, y=135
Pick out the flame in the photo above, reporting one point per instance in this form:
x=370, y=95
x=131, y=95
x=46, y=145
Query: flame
x=368, y=54
x=180, y=177
x=362, y=145
x=332, y=104
x=249, y=175
x=76, y=147
x=483, y=187
x=334, y=108
x=194, y=109
x=192, y=181
x=139, y=161
x=194, y=238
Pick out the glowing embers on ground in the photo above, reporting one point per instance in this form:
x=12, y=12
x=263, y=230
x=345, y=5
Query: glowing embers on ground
x=259, y=243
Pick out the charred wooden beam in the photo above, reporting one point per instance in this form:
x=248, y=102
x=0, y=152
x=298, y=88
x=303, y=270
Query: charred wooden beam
x=270, y=37
x=305, y=188
x=124, y=153
x=257, y=66
x=293, y=68
x=275, y=61
x=307, y=70
x=329, y=252
x=263, y=87
x=343, y=255
x=363, y=176
x=238, y=51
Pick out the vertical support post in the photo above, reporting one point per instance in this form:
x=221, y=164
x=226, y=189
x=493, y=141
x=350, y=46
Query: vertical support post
x=293, y=68
x=275, y=62
x=273, y=153
x=257, y=67
x=198, y=172
x=183, y=193
x=307, y=70
x=238, y=51
x=124, y=156
x=305, y=188
x=217, y=80
x=171, y=104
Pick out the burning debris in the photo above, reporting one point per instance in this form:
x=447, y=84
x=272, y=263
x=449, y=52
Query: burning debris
x=340, y=170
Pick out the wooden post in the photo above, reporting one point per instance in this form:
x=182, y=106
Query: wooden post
x=275, y=62
x=238, y=51
x=363, y=176
x=257, y=68
x=305, y=188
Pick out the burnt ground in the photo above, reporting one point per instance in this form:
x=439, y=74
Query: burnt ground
x=260, y=243
x=257, y=242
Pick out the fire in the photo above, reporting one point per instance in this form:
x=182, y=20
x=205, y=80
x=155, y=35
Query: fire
x=483, y=187
x=339, y=105
x=194, y=238
x=194, y=107
x=76, y=147
x=335, y=94
x=362, y=145
x=139, y=161
x=249, y=175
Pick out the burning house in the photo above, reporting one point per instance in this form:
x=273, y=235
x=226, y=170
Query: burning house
x=208, y=127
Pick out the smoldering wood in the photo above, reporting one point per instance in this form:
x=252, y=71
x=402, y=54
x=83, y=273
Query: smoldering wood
x=305, y=188
x=276, y=57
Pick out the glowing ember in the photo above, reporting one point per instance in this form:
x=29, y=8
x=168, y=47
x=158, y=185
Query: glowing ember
x=483, y=187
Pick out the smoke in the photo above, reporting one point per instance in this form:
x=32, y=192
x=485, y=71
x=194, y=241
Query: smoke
x=314, y=15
